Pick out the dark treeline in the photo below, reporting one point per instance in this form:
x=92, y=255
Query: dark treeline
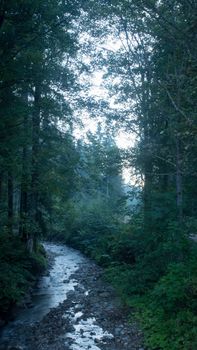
x=52, y=186
x=36, y=158
x=154, y=75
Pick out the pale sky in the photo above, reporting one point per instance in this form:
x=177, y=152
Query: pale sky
x=98, y=91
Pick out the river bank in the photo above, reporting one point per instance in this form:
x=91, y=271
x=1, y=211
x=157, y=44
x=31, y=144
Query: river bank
x=72, y=308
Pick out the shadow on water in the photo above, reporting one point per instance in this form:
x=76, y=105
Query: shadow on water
x=51, y=290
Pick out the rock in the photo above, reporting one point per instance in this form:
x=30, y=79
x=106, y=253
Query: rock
x=89, y=301
x=2, y=322
x=117, y=331
x=78, y=307
x=104, y=295
x=30, y=305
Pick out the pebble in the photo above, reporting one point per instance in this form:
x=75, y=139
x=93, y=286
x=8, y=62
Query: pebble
x=101, y=304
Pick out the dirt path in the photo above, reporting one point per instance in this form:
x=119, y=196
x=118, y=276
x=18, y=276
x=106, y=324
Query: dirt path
x=91, y=317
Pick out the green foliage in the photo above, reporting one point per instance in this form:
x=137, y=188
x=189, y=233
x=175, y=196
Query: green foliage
x=38, y=260
x=168, y=314
x=37, y=156
x=178, y=288
x=95, y=224
x=161, y=284
x=139, y=250
x=120, y=275
x=49, y=185
x=18, y=269
x=97, y=209
x=155, y=273
x=13, y=284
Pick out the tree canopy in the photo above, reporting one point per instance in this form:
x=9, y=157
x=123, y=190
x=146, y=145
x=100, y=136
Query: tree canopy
x=53, y=185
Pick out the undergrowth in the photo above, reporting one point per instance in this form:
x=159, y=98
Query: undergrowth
x=18, y=270
x=153, y=273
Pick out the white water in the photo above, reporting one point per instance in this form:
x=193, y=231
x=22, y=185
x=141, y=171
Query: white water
x=51, y=291
x=86, y=333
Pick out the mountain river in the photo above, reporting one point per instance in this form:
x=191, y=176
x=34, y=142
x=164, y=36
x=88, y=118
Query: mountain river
x=71, y=308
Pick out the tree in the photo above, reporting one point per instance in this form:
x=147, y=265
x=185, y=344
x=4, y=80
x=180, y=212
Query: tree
x=35, y=41
x=37, y=156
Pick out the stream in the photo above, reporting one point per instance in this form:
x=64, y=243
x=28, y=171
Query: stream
x=72, y=308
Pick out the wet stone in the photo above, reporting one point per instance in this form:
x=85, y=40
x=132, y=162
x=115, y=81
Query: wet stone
x=74, y=309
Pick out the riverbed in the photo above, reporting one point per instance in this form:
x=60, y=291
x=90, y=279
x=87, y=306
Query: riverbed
x=72, y=308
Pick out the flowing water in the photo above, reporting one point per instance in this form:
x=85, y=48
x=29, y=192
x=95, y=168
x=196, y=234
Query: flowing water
x=50, y=292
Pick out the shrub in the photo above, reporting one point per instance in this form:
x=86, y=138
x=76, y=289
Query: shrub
x=169, y=312
x=18, y=269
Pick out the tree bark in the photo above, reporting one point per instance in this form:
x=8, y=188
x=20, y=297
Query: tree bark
x=10, y=201
x=24, y=185
x=179, y=189
x=1, y=188
x=24, y=195
x=148, y=194
x=2, y=12
x=35, y=162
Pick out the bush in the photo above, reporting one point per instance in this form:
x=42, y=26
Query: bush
x=94, y=228
x=18, y=270
x=169, y=312
x=153, y=270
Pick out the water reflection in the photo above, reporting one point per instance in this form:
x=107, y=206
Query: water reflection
x=51, y=289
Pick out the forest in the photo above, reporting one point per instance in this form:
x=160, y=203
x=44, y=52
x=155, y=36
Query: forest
x=62, y=171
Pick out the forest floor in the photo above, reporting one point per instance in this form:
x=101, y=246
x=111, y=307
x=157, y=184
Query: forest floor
x=91, y=317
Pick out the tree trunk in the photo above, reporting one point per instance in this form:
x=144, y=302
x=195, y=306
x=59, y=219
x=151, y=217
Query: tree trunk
x=179, y=189
x=10, y=201
x=148, y=194
x=24, y=186
x=2, y=13
x=24, y=195
x=35, y=162
x=148, y=166
x=1, y=188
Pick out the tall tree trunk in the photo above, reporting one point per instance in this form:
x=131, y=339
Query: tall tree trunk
x=179, y=189
x=2, y=12
x=148, y=194
x=148, y=163
x=35, y=162
x=1, y=188
x=1, y=200
x=10, y=201
x=148, y=169
x=24, y=194
x=25, y=185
